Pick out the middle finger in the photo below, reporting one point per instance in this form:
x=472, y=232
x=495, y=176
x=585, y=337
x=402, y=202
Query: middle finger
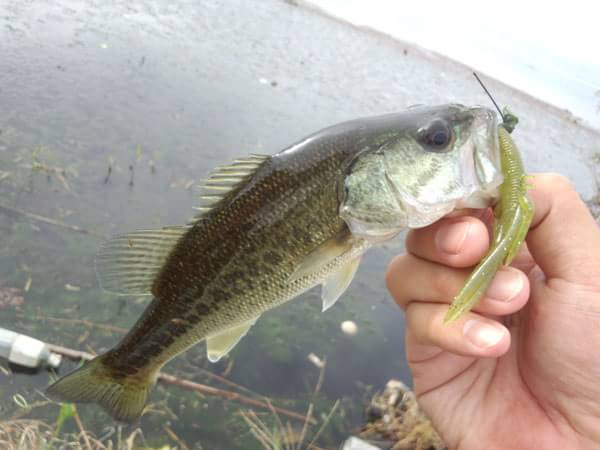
x=410, y=278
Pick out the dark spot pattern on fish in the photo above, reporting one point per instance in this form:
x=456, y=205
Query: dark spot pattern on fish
x=233, y=277
x=281, y=214
x=272, y=258
x=202, y=309
x=220, y=295
x=232, y=262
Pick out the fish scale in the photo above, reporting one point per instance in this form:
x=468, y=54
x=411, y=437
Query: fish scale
x=272, y=227
x=156, y=342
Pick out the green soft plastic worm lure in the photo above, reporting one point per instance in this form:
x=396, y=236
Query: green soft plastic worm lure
x=513, y=214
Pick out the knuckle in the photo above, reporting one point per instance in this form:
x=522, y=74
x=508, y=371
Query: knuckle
x=417, y=322
x=554, y=183
x=443, y=282
x=394, y=270
x=410, y=237
x=558, y=188
x=415, y=239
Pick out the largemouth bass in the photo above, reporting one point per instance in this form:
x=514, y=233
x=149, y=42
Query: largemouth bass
x=272, y=227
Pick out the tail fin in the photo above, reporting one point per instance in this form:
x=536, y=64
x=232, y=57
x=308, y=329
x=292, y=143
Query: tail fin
x=123, y=398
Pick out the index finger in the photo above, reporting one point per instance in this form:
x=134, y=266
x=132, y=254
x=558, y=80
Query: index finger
x=459, y=241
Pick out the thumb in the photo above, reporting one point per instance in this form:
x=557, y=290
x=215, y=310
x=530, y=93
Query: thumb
x=564, y=238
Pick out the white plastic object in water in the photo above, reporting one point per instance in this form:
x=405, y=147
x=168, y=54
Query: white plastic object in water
x=26, y=351
x=354, y=443
x=349, y=327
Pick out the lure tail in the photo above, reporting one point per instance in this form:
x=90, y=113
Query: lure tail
x=483, y=274
x=122, y=397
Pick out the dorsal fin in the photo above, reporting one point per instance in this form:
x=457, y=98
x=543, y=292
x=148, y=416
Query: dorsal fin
x=128, y=264
x=226, y=180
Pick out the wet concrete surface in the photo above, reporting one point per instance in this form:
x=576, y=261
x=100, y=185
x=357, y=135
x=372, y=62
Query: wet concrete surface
x=213, y=79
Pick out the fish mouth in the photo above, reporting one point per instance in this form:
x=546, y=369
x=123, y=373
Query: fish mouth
x=485, y=163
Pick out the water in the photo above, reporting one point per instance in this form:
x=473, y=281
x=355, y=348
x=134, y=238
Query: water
x=161, y=93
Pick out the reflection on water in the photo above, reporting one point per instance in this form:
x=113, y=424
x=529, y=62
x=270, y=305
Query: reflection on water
x=112, y=111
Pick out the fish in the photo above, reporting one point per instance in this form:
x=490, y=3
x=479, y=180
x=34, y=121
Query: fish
x=270, y=227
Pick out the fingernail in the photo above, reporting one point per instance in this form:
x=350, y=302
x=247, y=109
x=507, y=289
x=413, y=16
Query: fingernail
x=483, y=334
x=451, y=237
x=505, y=286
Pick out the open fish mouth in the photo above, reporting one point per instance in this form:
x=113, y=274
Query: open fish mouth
x=412, y=182
x=481, y=167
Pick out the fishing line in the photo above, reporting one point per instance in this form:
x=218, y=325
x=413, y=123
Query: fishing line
x=489, y=95
x=509, y=120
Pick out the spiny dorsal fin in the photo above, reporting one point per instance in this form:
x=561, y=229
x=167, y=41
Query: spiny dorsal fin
x=227, y=179
x=128, y=264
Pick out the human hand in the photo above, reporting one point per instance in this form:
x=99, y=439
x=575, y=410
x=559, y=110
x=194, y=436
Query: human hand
x=522, y=370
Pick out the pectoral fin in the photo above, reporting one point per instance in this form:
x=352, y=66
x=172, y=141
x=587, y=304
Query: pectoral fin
x=335, y=286
x=220, y=344
x=321, y=256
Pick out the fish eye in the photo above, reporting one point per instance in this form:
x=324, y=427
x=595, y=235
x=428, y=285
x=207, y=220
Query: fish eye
x=436, y=136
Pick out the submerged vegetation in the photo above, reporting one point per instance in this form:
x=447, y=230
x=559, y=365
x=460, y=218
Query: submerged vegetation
x=27, y=434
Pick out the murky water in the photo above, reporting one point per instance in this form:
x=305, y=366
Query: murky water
x=161, y=93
